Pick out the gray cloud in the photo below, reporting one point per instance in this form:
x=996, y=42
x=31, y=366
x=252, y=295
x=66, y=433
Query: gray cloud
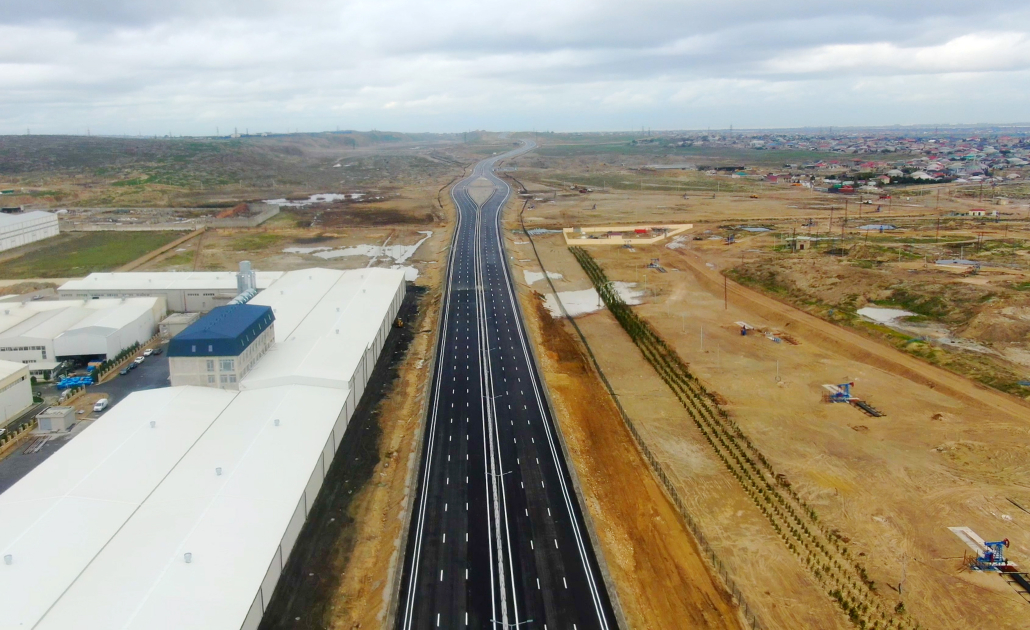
x=189, y=66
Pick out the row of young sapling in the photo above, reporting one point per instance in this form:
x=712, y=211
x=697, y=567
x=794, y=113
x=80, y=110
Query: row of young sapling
x=110, y=364
x=822, y=550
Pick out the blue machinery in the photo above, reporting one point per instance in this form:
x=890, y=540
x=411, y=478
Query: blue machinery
x=842, y=394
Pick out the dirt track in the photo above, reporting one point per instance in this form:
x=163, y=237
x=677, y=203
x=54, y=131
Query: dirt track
x=854, y=345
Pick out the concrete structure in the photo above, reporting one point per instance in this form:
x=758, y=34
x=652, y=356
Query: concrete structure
x=15, y=390
x=198, y=291
x=54, y=419
x=176, y=323
x=26, y=227
x=179, y=507
x=625, y=235
x=222, y=347
x=46, y=331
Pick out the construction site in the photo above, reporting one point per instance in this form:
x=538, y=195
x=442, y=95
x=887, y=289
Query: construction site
x=824, y=454
x=785, y=409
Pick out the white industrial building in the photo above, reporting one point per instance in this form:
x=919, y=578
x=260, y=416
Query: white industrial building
x=26, y=227
x=180, y=506
x=183, y=291
x=15, y=390
x=43, y=332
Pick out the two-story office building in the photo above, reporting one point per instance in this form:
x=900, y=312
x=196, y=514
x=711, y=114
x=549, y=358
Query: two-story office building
x=220, y=348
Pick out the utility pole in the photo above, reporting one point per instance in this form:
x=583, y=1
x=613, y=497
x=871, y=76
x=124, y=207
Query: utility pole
x=843, y=223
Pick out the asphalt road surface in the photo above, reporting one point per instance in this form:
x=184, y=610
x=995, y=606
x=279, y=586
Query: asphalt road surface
x=497, y=538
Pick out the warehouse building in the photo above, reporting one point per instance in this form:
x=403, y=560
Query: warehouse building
x=15, y=390
x=175, y=323
x=180, y=506
x=43, y=333
x=197, y=291
x=26, y=227
x=221, y=348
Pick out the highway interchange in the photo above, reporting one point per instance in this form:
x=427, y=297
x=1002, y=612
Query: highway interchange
x=497, y=539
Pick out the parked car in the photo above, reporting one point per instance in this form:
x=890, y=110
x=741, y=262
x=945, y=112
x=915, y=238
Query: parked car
x=125, y=370
x=158, y=350
x=100, y=405
x=133, y=365
x=138, y=360
x=148, y=352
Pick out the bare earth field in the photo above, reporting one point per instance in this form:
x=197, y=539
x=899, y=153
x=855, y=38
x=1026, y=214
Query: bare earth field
x=660, y=577
x=891, y=485
x=952, y=450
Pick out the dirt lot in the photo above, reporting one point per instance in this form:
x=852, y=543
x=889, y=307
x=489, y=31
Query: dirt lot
x=660, y=577
x=891, y=485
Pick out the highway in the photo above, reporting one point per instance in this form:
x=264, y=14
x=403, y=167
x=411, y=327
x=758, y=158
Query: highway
x=497, y=539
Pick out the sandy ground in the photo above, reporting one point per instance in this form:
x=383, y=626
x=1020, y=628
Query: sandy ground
x=944, y=455
x=660, y=577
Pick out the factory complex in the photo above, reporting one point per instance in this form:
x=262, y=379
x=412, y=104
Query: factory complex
x=43, y=333
x=194, y=291
x=179, y=507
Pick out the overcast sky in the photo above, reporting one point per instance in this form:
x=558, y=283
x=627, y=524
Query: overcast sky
x=193, y=66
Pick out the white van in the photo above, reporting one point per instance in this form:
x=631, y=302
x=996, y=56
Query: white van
x=100, y=405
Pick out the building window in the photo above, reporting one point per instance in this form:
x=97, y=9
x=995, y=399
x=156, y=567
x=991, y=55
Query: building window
x=210, y=365
x=211, y=378
x=226, y=365
x=222, y=379
x=232, y=378
x=210, y=348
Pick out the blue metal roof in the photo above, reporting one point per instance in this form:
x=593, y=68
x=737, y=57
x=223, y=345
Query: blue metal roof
x=224, y=332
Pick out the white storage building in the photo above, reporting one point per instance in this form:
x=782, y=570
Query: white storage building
x=15, y=390
x=179, y=507
x=196, y=291
x=26, y=227
x=42, y=332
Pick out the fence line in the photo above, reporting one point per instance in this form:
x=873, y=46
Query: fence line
x=656, y=466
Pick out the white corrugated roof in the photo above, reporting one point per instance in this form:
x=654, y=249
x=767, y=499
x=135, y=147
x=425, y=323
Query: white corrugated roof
x=164, y=281
x=57, y=518
x=231, y=523
x=10, y=368
x=99, y=530
x=8, y=221
x=48, y=319
x=324, y=321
